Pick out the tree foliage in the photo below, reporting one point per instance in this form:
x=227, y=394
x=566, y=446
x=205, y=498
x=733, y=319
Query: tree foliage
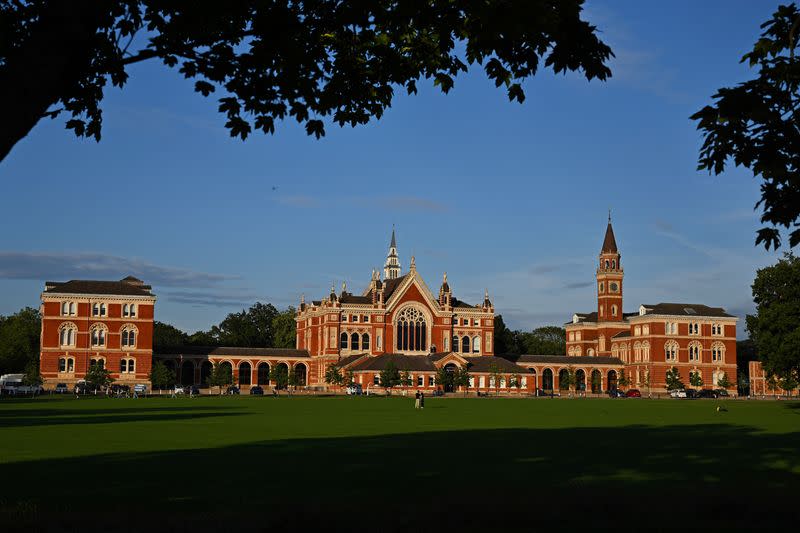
x=221, y=375
x=723, y=382
x=775, y=328
x=546, y=340
x=314, y=62
x=389, y=376
x=673, y=379
x=32, y=376
x=98, y=377
x=333, y=376
x=754, y=124
x=166, y=335
x=162, y=377
x=19, y=340
x=279, y=374
x=695, y=379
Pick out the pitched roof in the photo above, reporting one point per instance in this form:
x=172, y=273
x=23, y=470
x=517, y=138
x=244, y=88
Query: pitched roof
x=348, y=298
x=483, y=364
x=685, y=310
x=390, y=285
x=231, y=351
x=124, y=287
x=344, y=361
x=621, y=334
x=458, y=303
x=413, y=363
x=609, y=242
x=568, y=360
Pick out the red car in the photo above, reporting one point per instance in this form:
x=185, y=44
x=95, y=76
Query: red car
x=633, y=393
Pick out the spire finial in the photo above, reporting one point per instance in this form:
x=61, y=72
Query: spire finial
x=444, y=278
x=333, y=287
x=486, y=294
x=413, y=262
x=344, y=286
x=302, y=298
x=609, y=215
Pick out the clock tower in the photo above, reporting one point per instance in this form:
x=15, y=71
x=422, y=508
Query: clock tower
x=609, y=279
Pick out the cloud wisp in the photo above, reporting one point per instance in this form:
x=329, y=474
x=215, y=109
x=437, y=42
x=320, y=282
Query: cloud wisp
x=399, y=203
x=54, y=266
x=239, y=298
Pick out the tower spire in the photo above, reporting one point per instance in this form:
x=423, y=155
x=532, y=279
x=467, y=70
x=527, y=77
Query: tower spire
x=391, y=269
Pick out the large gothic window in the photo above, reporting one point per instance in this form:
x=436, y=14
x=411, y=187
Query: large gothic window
x=411, y=330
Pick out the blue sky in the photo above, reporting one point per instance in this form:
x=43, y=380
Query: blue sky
x=503, y=196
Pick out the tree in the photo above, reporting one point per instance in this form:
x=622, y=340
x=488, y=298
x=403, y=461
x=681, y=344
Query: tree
x=461, y=378
x=389, y=376
x=444, y=378
x=280, y=375
x=161, y=377
x=775, y=327
x=292, y=381
x=673, y=379
x=597, y=380
x=221, y=375
x=98, y=377
x=548, y=340
x=166, y=335
x=755, y=125
x=333, y=376
x=19, y=338
x=723, y=382
x=309, y=61
x=405, y=378
x=32, y=377
x=788, y=384
x=284, y=329
x=495, y=375
x=349, y=377
x=515, y=381
x=623, y=381
x=252, y=327
x=743, y=384
x=696, y=379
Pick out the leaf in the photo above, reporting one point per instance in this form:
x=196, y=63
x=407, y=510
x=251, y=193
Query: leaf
x=203, y=87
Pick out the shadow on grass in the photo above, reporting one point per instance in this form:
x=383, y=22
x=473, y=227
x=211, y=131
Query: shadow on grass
x=716, y=475
x=55, y=417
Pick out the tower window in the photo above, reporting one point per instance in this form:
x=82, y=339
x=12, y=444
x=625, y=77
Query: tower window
x=613, y=310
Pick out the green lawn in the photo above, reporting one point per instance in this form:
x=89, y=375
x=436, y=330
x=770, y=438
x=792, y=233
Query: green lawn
x=206, y=463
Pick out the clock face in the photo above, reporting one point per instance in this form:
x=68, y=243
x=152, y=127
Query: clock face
x=613, y=286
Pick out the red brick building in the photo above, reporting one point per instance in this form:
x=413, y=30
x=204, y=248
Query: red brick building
x=694, y=338
x=107, y=323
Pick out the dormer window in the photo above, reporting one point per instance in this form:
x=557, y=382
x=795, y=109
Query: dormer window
x=642, y=310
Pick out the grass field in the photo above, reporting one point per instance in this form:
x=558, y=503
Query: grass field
x=342, y=462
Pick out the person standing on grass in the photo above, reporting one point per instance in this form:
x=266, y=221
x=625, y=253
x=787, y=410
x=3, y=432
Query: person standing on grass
x=422, y=400
x=416, y=400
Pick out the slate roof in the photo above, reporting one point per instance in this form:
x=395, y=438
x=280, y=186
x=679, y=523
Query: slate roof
x=126, y=287
x=231, y=351
x=621, y=334
x=344, y=361
x=348, y=298
x=679, y=309
x=609, y=242
x=412, y=363
x=482, y=364
x=568, y=360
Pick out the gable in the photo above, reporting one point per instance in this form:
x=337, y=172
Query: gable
x=412, y=290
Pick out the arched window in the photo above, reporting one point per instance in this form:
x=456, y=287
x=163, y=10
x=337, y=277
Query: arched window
x=694, y=352
x=354, y=341
x=614, y=350
x=65, y=308
x=66, y=336
x=263, y=374
x=98, y=363
x=62, y=364
x=455, y=343
x=613, y=310
x=645, y=351
x=343, y=341
x=717, y=352
x=465, y=344
x=123, y=365
x=244, y=373
x=613, y=263
x=131, y=365
x=607, y=263
x=98, y=335
x=671, y=351
x=476, y=345
x=365, y=341
x=411, y=330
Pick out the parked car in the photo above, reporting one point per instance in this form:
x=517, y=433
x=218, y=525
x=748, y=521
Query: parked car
x=691, y=393
x=354, y=389
x=708, y=393
x=678, y=393
x=233, y=389
x=61, y=388
x=616, y=393
x=119, y=390
x=257, y=391
x=722, y=393
x=633, y=393
x=140, y=388
x=82, y=387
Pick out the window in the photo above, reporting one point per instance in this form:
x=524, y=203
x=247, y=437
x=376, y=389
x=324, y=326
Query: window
x=129, y=310
x=613, y=310
x=62, y=364
x=637, y=331
x=694, y=352
x=476, y=322
x=376, y=379
x=572, y=335
x=70, y=365
x=694, y=328
x=718, y=352
x=354, y=318
x=99, y=309
x=670, y=328
x=68, y=308
x=488, y=342
x=98, y=336
x=645, y=330
x=446, y=343
x=671, y=351
x=455, y=343
x=101, y=363
x=420, y=381
x=613, y=263
x=465, y=322
x=365, y=318
x=411, y=330
x=601, y=287
x=380, y=341
x=128, y=337
x=645, y=351
x=613, y=287
x=344, y=318
x=123, y=366
x=343, y=338
x=464, y=344
x=67, y=335
x=476, y=345
x=717, y=330
x=430, y=381
x=607, y=263
x=577, y=335
x=365, y=341
x=354, y=341
x=601, y=312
